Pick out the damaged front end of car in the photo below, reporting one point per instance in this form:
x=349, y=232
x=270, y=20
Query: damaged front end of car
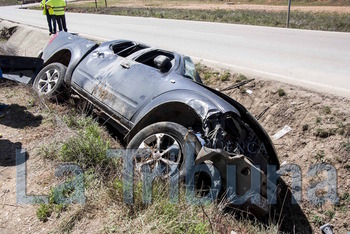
x=241, y=151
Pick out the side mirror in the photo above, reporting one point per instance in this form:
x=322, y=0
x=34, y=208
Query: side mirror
x=162, y=63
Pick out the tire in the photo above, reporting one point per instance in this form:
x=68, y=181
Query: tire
x=49, y=83
x=159, y=138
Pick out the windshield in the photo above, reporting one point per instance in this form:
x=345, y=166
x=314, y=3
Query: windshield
x=190, y=70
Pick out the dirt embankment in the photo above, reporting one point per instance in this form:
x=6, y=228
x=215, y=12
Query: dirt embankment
x=320, y=132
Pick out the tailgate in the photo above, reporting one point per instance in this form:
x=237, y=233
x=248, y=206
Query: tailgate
x=20, y=69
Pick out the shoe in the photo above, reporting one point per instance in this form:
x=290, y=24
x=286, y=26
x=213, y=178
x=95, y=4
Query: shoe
x=3, y=106
x=50, y=34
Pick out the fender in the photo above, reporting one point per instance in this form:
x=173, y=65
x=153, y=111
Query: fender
x=68, y=49
x=197, y=107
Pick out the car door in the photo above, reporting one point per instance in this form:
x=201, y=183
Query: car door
x=88, y=74
x=130, y=86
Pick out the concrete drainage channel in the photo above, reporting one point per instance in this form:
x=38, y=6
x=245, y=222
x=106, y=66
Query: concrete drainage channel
x=22, y=40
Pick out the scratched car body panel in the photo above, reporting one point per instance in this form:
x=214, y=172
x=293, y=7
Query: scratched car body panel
x=136, y=86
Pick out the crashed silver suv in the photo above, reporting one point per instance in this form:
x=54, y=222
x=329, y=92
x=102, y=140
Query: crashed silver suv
x=157, y=101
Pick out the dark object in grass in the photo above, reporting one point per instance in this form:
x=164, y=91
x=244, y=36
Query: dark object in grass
x=324, y=133
x=305, y=127
x=281, y=92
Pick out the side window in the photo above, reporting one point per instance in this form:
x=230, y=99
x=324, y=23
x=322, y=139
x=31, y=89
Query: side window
x=190, y=70
x=148, y=58
x=121, y=46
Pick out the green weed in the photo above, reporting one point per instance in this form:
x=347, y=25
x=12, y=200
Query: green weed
x=281, y=92
x=318, y=120
x=327, y=110
x=88, y=149
x=325, y=133
x=225, y=76
x=346, y=145
x=320, y=155
x=330, y=214
x=44, y=212
x=317, y=220
x=240, y=78
x=305, y=127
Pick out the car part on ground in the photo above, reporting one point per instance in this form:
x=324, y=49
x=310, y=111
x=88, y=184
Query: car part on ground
x=19, y=68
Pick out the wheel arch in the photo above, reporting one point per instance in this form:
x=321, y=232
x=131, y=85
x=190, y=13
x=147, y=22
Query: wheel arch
x=64, y=57
x=176, y=112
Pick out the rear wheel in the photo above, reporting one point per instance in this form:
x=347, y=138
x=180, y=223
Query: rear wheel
x=49, y=82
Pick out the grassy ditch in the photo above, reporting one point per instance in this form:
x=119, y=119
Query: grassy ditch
x=104, y=189
x=299, y=20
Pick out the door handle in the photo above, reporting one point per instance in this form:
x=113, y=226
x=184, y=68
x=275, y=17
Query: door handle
x=125, y=65
x=99, y=54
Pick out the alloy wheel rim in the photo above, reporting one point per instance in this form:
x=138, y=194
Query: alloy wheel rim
x=159, y=154
x=48, y=81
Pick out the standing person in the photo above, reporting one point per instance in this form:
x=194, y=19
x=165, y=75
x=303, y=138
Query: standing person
x=50, y=17
x=59, y=7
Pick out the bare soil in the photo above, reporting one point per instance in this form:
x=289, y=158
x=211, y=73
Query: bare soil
x=306, y=112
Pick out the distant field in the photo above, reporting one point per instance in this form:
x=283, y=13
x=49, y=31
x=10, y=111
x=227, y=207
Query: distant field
x=15, y=2
x=300, y=20
x=9, y=2
x=162, y=3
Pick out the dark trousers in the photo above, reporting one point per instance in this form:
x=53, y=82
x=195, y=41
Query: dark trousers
x=61, y=21
x=51, y=21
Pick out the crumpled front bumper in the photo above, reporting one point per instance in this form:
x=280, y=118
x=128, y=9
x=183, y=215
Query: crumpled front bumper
x=247, y=186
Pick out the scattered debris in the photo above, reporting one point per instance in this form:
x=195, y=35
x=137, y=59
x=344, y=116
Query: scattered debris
x=262, y=113
x=244, y=82
x=282, y=132
x=248, y=91
x=326, y=229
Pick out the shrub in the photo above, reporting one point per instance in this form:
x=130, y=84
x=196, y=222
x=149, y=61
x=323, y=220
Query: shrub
x=305, y=127
x=88, y=149
x=240, y=78
x=327, y=110
x=225, y=76
x=44, y=212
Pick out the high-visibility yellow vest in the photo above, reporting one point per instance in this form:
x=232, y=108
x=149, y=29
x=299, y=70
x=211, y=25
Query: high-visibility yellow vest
x=43, y=5
x=57, y=6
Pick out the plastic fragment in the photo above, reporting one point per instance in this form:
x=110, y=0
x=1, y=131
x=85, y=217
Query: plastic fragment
x=282, y=132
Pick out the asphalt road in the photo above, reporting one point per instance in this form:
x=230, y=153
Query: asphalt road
x=312, y=59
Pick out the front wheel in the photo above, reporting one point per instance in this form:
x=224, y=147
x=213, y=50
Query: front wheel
x=49, y=82
x=164, y=142
x=160, y=148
